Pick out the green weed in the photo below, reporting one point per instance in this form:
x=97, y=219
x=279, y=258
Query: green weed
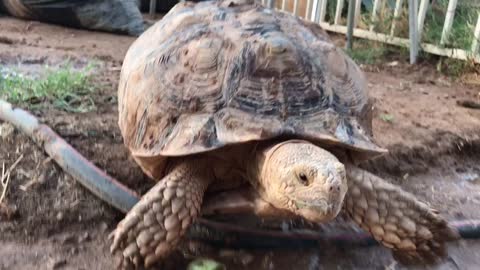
x=65, y=88
x=387, y=117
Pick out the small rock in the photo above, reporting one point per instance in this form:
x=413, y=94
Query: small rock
x=57, y=263
x=443, y=82
x=84, y=237
x=459, y=215
x=246, y=258
x=226, y=253
x=392, y=64
x=470, y=177
x=66, y=239
x=405, y=86
x=103, y=227
x=8, y=211
x=59, y=216
x=74, y=251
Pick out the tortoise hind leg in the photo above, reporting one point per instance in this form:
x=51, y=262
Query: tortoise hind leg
x=154, y=226
x=415, y=232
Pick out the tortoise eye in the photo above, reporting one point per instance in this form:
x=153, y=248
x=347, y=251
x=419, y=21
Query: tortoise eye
x=303, y=179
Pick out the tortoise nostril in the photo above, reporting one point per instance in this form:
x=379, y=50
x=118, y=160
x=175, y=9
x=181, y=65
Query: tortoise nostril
x=334, y=186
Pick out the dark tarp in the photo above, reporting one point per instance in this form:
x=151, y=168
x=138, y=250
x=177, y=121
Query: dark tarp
x=117, y=16
x=163, y=6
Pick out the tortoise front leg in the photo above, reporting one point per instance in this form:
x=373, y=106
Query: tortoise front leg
x=414, y=231
x=154, y=226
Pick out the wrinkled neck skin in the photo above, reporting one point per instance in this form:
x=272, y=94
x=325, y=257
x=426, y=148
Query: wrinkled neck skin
x=299, y=177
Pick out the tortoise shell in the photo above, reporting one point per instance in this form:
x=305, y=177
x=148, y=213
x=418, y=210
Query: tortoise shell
x=224, y=72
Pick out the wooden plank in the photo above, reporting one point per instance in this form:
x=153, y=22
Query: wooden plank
x=476, y=38
x=412, y=30
x=284, y=5
x=452, y=5
x=376, y=5
x=338, y=11
x=270, y=3
x=402, y=42
x=396, y=15
x=422, y=12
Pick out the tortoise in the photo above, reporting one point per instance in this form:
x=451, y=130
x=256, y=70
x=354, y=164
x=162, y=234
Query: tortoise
x=224, y=91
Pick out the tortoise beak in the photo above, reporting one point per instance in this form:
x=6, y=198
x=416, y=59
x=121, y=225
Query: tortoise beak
x=318, y=212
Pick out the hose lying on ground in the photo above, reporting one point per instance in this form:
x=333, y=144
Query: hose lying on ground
x=217, y=233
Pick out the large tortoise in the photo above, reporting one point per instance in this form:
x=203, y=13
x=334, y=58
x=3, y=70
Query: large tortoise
x=229, y=90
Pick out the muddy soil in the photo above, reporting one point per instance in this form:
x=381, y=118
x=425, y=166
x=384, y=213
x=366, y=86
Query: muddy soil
x=48, y=221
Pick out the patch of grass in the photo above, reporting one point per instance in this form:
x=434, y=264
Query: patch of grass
x=456, y=68
x=461, y=34
x=387, y=117
x=371, y=52
x=367, y=56
x=65, y=88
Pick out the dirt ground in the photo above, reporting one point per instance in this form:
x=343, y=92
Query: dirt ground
x=51, y=222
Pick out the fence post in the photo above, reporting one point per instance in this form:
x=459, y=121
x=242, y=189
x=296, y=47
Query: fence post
x=323, y=11
x=452, y=5
x=338, y=11
x=396, y=15
x=421, y=17
x=153, y=8
x=308, y=10
x=315, y=7
x=320, y=8
x=350, y=23
x=358, y=7
x=476, y=38
x=284, y=5
x=295, y=7
x=412, y=29
x=374, y=14
x=271, y=3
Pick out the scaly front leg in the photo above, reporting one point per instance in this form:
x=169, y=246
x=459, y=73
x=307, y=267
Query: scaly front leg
x=154, y=226
x=414, y=231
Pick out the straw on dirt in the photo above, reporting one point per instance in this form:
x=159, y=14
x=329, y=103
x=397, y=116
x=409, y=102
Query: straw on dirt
x=5, y=180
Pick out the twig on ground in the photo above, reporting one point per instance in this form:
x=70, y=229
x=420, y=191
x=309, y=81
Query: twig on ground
x=6, y=176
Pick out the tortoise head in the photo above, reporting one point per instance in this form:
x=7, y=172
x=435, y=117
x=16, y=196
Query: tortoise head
x=303, y=178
